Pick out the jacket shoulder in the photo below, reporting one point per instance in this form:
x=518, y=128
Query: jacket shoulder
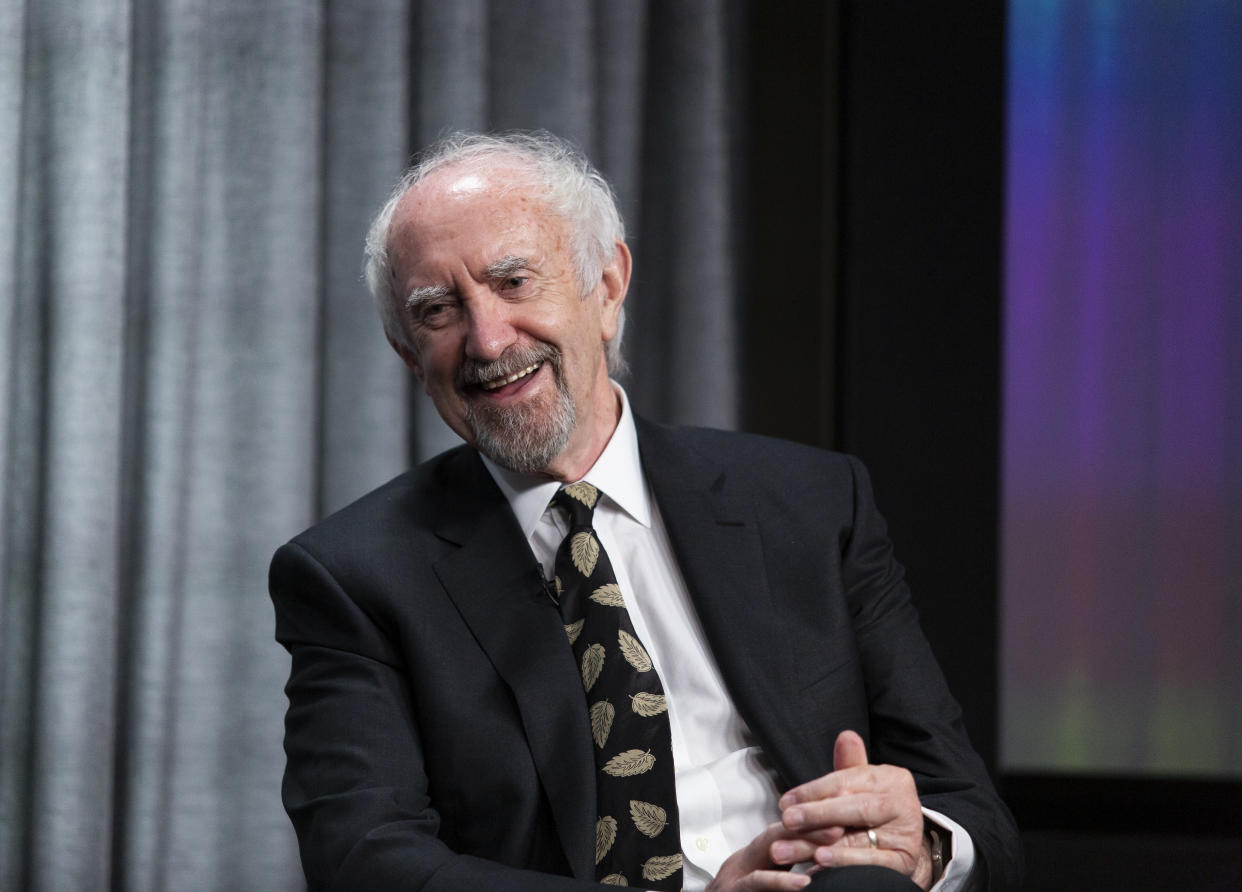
x=405, y=507
x=769, y=457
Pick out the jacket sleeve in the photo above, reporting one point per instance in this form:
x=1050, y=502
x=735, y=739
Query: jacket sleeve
x=356, y=786
x=915, y=721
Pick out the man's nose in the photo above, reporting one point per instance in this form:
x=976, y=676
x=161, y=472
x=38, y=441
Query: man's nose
x=489, y=330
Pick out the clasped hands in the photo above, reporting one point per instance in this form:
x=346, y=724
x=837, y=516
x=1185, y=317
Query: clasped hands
x=826, y=822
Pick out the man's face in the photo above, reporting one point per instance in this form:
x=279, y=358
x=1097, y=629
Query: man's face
x=507, y=347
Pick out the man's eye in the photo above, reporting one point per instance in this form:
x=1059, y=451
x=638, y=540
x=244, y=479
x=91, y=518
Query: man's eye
x=513, y=282
x=433, y=314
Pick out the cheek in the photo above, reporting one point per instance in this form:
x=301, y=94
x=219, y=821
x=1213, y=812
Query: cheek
x=585, y=323
x=434, y=362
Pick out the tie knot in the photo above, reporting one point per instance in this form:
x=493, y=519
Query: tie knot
x=579, y=500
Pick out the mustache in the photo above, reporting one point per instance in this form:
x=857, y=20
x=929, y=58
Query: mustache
x=513, y=360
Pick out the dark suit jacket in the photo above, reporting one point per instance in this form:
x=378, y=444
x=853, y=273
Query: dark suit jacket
x=437, y=733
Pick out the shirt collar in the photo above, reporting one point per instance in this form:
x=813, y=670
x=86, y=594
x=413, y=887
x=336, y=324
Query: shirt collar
x=617, y=473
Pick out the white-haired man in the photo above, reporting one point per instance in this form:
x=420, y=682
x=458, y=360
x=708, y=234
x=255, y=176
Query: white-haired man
x=451, y=727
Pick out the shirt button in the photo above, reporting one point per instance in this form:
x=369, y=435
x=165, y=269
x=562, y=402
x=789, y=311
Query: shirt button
x=702, y=843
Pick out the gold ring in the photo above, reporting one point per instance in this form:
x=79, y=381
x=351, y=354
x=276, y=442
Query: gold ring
x=875, y=843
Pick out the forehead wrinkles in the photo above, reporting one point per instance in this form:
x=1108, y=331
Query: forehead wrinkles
x=481, y=229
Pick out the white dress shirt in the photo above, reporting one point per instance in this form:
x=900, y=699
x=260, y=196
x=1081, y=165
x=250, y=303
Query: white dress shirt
x=727, y=791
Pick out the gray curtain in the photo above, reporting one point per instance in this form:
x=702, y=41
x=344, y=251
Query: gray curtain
x=191, y=372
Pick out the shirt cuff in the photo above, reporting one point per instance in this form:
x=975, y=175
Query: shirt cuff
x=961, y=851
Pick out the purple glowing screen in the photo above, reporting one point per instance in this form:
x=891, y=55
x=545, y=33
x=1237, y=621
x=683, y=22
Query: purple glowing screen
x=1121, y=545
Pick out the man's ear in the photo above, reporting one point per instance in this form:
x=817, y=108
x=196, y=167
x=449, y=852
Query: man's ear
x=614, y=285
x=408, y=356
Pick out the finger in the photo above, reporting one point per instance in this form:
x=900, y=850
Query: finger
x=782, y=847
x=885, y=782
x=850, y=856
x=791, y=851
x=860, y=839
x=830, y=815
x=847, y=780
x=774, y=880
x=757, y=854
x=849, y=751
x=824, y=836
x=770, y=834
x=891, y=849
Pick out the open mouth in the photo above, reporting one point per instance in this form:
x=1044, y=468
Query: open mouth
x=497, y=383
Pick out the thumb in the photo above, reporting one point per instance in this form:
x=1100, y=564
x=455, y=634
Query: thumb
x=849, y=751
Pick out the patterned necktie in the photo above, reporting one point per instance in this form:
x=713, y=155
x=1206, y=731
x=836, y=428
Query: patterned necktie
x=637, y=841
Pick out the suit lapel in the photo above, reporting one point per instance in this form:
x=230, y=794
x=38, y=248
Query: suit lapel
x=498, y=588
x=715, y=535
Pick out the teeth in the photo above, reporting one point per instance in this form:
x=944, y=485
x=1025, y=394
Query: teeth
x=501, y=382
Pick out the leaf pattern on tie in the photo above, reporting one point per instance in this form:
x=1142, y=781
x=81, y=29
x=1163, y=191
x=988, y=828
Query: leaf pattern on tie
x=602, y=714
x=592, y=665
x=584, y=552
x=661, y=867
x=631, y=747
x=630, y=763
x=605, y=836
x=648, y=818
x=583, y=492
x=608, y=594
x=635, y=654
x=647, y=705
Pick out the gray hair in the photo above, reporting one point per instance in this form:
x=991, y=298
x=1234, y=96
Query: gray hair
x=572, y=189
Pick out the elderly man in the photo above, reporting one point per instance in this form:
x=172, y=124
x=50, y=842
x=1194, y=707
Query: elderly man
x=584, y=648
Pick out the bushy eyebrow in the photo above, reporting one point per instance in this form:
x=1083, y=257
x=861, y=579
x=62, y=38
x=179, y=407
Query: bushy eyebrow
x=422, y=296
x=501, y=269
x=506, y=266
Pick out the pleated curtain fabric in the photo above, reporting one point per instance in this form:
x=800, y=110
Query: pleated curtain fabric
x=191, y=371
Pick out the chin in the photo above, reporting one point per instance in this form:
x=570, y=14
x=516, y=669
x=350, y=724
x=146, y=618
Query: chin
x=525, y=439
